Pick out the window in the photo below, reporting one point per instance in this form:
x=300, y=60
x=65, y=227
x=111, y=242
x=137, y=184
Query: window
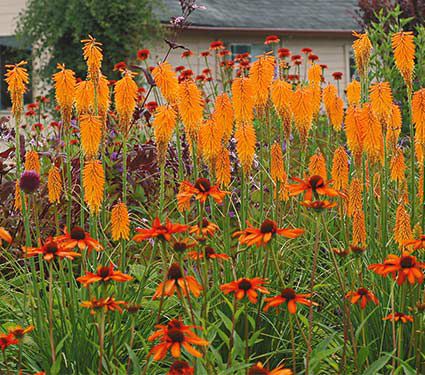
x=238, y=49
x=253, y=49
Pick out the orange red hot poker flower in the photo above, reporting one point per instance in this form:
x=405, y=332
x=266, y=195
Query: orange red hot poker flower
x=402, y=268
x=246, y=287
x=173, y=337
x=291, y=298
x=261, y=236
x=104, y=274
x=161, y=231
x=201, y=190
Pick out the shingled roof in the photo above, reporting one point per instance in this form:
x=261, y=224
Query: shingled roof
x=278, y=15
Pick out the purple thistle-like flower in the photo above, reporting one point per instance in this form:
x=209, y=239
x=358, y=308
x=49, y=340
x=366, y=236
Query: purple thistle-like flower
x=29, y=181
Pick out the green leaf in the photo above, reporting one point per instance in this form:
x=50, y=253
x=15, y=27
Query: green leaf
x=377, y=365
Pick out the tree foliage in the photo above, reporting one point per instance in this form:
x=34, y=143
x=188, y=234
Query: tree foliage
x=56, y=28
x=412, y=9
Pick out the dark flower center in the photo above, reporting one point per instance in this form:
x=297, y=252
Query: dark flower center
x=407, y=262
x=77, y=233
x=245, y=285
x=104, y=272
x=288, y=293
x=174, y=272
x=209, y=251
x=255, y=370
x=175, y=335
x=268, y=226
x=203, y=184
x=179, y=247
x=179, y=366
x=316, y=182
x=51, y=247
x=205, y=222
x=174, y=324
x=362, y=291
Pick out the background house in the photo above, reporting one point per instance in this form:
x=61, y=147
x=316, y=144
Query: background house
x=323, y=25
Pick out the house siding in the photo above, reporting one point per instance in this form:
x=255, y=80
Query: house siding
x=9, y=11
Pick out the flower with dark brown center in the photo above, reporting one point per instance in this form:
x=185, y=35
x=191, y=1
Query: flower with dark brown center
x=178, y=281
x=174, y=272
x=176, y=335
x=179, y=247
x=29, y=182
x=245, y=285
x=209, y=251
x=407, y=261
x=289, y=297
x=181, y=368
x=263, y=235
x=361, y=296
x=203, y=185
x=268, y=226
x=255, y=370
x=77, y=237
x=316, y=182
x=51, y=247
x=288, y=293
x=77, y=233
x=104, y=272
x=362, y=291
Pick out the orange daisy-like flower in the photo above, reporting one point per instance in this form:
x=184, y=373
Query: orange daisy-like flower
x=289, y=297
x=416, y=243
x=246, y=287
x=109, y=304
x=19, y=332
x=319, y=205
x=399, y=317
x=362, y=296
x=312, y=186
x=205, y=228
x=209, y=253
x=174, y=336
x=50, y=249
x=177, y=280
x=104, y=274
x=78, y=238
x=6, y=340
x=161, y=231
x=5, y=235
x=181, y=368
x=201, y=190
x=261, y=236
x=258, y=369
x=401, y=268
